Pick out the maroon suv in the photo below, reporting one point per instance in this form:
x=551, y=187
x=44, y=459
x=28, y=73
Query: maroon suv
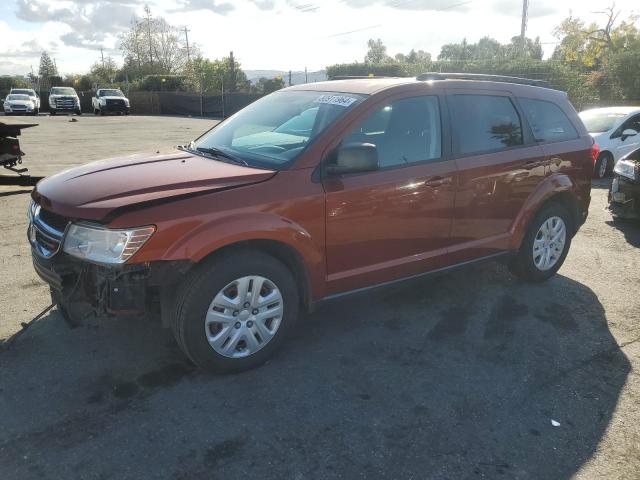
x=312, y=192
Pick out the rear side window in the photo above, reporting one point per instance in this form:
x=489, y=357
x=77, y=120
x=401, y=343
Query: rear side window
x=405, y=131
x=483, y=123
x=548, y=122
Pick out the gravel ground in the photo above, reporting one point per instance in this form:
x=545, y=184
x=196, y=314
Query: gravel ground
x=454, y=377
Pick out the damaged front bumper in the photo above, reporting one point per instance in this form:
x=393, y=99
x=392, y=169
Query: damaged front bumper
x=113, y=290
x=624, y=198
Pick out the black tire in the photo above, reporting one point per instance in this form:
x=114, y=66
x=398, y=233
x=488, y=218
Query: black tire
x=523, y=265
x=96, y=111
x=78, y=112
x=603, y=165
x=52, y=112
x=199, y=289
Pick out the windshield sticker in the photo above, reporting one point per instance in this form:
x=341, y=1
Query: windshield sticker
x=340, y=100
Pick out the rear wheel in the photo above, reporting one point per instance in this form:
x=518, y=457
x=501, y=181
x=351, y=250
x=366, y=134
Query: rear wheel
x=52, y=112
x=233, y=312
x=603, y=165
x=545, y=245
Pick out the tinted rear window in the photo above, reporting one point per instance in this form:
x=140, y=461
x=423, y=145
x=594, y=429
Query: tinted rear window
x=483, y=123
x=547, y=120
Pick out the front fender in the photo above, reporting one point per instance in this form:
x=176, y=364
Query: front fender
x=209, y=237
x=553, y=185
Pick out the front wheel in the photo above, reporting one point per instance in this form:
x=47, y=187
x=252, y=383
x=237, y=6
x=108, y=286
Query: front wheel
x=603, y=165
x=233, y=312
x=545, y=245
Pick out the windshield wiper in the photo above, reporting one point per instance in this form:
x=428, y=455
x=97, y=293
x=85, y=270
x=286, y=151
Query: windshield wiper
x=215, y=152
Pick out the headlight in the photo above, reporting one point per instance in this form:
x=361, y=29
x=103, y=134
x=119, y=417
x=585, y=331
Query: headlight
x=626, y=168
x=102, y=101
x=126, y=102
x=103, y=245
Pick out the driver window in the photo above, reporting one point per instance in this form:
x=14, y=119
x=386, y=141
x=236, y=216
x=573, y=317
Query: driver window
x=404, y=131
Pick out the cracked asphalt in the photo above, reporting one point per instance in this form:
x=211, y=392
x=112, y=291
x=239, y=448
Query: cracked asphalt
x=458, y=376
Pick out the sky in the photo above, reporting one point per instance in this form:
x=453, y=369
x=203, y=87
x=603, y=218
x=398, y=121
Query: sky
x=274, y=34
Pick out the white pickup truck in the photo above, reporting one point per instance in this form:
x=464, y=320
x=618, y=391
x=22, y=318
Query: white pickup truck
x=110, y=100
x=64, y=99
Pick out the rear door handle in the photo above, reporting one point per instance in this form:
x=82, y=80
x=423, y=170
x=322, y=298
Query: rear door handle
x=437, y=181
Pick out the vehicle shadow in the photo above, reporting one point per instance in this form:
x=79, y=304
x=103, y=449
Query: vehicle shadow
x=601, y=183
x=629, y=228
x=453, y=377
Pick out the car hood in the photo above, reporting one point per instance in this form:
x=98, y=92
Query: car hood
x=19, y=102
x=111, y=97
x=93, y=191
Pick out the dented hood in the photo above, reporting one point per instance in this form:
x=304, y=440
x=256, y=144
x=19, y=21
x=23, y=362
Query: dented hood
x=95, y=190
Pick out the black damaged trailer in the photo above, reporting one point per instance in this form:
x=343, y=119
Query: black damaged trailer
x=11, y=155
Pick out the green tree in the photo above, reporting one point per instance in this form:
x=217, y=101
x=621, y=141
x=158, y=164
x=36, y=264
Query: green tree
x=377, y=52
x=104, y=72
x=268, y=85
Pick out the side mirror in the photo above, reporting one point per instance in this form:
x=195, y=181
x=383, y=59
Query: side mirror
x=629, y=132
x=355, y=158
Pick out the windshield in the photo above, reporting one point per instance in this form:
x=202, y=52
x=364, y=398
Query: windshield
x=31, y=93
x=18, y=97
x=110, y=93
x=600, y=121
x=63, y=91
x=273, y=131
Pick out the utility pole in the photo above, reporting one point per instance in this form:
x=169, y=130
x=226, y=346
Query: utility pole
x=290, y=78
x=222, y=92
x=186, y=36
x=306, y=77
x=232, y=71
x=148, y=12
x=102, y=55
x=525, y=18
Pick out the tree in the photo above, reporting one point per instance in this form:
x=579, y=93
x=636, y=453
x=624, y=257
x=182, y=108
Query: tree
x=377, y=52
x=211, y=76
x=268, y=85
x=47, y=66
x=153, y=46
x=104, y=71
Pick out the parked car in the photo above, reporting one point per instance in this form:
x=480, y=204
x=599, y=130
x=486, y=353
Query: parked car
x=227, y=238
x=615, y=130
x=19, y=104
x=107, y=100
x=64, y=99
x=624, y=193
x=32, y=95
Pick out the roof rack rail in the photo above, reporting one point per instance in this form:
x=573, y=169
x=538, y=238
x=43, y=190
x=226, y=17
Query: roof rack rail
x=482, y=77
x=358, y=77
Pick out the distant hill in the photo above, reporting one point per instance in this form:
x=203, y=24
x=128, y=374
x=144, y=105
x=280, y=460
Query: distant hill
x=296, y=77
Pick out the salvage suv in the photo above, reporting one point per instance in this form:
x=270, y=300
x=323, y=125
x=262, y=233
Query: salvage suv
x=312, y=192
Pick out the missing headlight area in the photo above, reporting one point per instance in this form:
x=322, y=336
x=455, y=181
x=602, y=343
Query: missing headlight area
x=624, y=193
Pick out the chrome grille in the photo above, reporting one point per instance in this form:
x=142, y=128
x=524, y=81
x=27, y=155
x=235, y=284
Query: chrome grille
x=65, y=102
x=45, y=238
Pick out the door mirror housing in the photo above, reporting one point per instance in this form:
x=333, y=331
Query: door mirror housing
x=354, y=158
x=629, y=132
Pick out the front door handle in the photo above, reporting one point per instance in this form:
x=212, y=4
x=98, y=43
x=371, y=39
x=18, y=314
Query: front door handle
x=437, y=181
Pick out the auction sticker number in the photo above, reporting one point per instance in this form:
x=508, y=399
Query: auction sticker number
x=340, y=100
